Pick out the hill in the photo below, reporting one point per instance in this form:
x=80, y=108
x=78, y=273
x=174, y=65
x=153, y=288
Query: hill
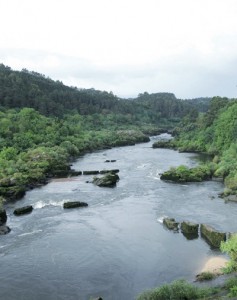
x=24, y=88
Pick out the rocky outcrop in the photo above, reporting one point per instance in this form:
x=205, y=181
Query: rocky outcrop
x=4, y=230
x=189, y=227
x=171, y=224
x=3, y=216
x=74, y=204
x=23, y=210
x=109, y=180
x=213, y=236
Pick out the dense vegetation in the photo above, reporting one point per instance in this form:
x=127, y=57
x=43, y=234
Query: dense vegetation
x=213, y=132
x=34, y=147
x=44, y=124
x=53, y=98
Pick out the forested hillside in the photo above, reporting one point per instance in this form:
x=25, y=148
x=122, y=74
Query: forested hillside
x=214, y=132
x=53, y=98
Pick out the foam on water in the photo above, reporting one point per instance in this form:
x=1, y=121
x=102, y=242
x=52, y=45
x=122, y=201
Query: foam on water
x=41, y=204
x=30, y=233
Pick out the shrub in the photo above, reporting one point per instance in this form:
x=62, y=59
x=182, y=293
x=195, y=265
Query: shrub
x=230, y=247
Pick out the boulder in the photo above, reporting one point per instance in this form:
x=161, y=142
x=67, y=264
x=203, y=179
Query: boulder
x=4, y=230
x=74, y=204
x=189, y=227
x=171, y=224
x=191, y=236
x=213, y=236
x=3, y=216
x=23, y=210
x=108, y=180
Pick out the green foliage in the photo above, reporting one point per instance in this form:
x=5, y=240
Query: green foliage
x=177, y=290
x=35, y=146
x=216, y=133
x=230, y=247
x=185, y=174
x=53, y=98
x=233, y=291
x=44, y=123
x=231, y=285
x=231, y=282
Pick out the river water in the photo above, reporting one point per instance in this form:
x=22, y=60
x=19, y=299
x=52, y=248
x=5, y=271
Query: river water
x=116, y=247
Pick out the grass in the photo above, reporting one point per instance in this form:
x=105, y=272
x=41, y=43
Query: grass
x=177, y=290
x=205, y=276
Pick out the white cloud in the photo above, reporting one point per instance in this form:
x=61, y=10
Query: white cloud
x=188, y=47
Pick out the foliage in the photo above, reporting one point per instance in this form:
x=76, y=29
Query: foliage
x=53, y=98
x=185, y=174
x=177, y=290
x=233, y=291
x=214, y=132
x=230, y=247
x=231, y=285
x=231, y=282
x=34, y=146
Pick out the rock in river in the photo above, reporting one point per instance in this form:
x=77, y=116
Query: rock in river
x=171, y=224
x=23, y=210
x=3, y=216
x=109, y=180
x=4, y=230
x=189, y=227
x=74, y=204
x=213, y=236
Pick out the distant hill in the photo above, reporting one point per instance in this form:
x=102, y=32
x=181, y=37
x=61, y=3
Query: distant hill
x=201, y=104
x=25, y=88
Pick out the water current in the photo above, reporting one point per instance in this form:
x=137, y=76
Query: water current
x=116, y=247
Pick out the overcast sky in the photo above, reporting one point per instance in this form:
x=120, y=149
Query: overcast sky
x=187, y=47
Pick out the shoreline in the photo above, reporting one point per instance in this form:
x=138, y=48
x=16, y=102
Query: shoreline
x=214, y=265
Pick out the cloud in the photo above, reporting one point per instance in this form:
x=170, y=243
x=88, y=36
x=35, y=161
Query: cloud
x=185, y=47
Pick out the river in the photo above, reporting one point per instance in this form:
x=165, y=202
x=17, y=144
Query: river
x=116, y=247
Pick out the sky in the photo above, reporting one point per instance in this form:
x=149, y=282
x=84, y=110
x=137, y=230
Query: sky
x=186, y=47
